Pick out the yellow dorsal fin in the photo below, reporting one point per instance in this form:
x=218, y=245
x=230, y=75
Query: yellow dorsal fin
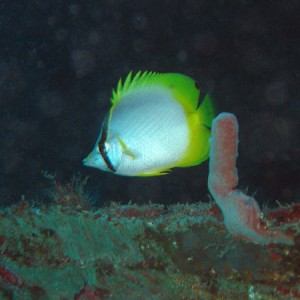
x=184, y=89
x=130, y=83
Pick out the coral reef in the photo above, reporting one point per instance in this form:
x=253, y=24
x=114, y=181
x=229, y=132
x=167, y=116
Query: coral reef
x=67, y=251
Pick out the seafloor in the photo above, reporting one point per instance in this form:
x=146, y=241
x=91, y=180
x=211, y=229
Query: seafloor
x=67, y=250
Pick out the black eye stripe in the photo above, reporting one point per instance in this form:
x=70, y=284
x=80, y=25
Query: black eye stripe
x=101, y=146
x=105, y=157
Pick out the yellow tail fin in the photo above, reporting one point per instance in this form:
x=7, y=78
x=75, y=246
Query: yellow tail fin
x=199, y=125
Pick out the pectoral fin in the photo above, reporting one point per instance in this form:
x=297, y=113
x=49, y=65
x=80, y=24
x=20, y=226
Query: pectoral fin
x=125, y=149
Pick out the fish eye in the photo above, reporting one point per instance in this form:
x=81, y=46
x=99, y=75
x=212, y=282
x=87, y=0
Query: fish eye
x=100, y=148
x=103, y=147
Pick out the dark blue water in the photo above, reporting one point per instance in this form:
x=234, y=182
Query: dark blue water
x=59, y=62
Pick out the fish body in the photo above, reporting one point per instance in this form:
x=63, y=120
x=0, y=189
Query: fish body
x=155, y=123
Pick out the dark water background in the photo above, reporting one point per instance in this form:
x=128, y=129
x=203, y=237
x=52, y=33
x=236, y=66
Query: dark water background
x=59, y=61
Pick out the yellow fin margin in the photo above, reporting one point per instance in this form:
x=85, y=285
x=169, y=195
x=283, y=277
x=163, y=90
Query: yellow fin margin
x=199, y=124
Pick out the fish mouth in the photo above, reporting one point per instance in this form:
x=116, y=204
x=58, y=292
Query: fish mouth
x=90, y=161
x=85, y=161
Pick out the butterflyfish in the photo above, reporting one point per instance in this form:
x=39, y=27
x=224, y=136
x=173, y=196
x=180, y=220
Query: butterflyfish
x=157, y=121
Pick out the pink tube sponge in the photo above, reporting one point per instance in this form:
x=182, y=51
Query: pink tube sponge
x=242, y=216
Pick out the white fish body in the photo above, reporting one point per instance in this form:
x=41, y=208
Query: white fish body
x=148, y=130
